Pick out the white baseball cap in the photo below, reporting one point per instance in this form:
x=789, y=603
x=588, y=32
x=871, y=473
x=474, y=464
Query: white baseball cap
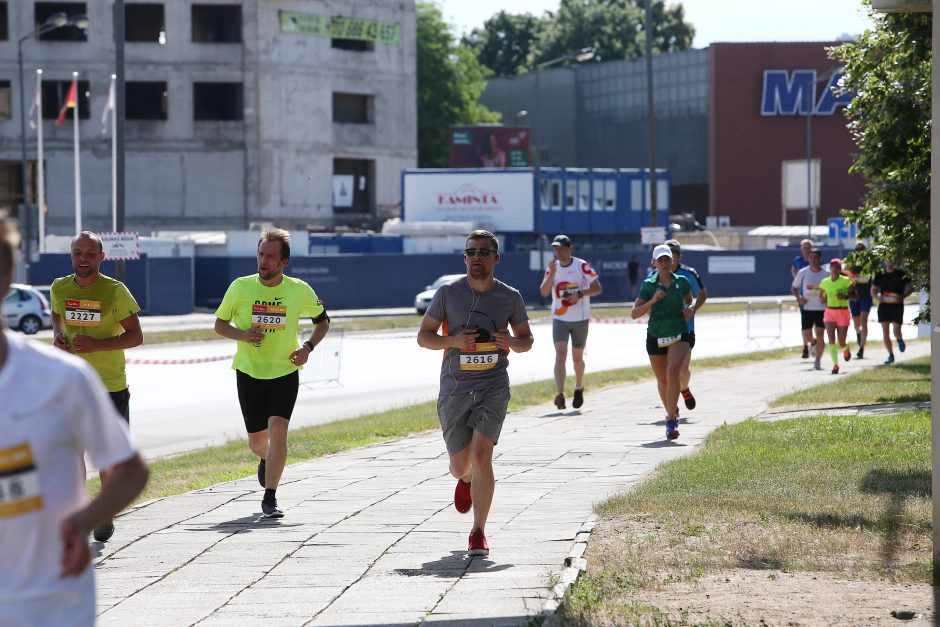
x=660, y=251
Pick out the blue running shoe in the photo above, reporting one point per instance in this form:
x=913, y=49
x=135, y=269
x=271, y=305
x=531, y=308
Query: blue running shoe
x=672, y=429
x=890, y=359
x=901, y=345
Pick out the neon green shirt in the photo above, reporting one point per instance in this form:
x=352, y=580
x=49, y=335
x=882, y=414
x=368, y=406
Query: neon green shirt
x=837, y=292
x=277, y=309
x=96, y=311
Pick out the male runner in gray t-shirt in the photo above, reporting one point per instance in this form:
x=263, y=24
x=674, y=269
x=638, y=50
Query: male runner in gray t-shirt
x=474, y=314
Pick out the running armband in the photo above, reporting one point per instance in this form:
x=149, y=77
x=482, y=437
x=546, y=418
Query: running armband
x=321, y=318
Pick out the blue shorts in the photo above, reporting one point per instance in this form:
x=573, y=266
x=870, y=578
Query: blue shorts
x=858, y=306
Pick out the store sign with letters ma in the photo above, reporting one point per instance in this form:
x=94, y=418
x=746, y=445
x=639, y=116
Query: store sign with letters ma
x=800, y=93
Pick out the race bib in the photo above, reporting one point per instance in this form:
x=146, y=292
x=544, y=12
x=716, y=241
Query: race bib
x=20, y=490
x=890, y=298
x=269, y=316
x=83, y=313
x=811, y=291
x=663, y=342
x=484, y=357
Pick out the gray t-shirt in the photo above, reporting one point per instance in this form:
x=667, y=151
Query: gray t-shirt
x=807, y=282
x=458, y=306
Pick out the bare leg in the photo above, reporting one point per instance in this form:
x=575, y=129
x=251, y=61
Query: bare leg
x=674, y=360
x=484, y=482
x=277, y=451
x=886, y=336
x=561, y=356
x=577, y=356
x=658, y=362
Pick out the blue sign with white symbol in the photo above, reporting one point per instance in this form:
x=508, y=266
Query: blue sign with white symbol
x=841, y=231
x=794, y=93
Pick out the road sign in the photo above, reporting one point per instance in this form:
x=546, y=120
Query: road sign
x=119, y=246
x=841, y=231
x=652, y=234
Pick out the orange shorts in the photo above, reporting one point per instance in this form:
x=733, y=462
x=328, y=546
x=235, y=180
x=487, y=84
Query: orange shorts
x=841, y=317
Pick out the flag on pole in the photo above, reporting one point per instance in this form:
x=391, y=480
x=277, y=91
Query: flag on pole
x=108, y=108
x=71, y=102
x=36, y=106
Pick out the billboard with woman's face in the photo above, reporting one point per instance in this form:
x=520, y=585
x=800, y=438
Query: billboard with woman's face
x=489, y=147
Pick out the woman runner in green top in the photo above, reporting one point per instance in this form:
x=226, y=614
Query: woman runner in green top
x=667, y=298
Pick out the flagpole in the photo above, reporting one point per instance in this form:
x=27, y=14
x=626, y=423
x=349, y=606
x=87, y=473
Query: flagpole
x=112, y=95
x=78, y=168
x=40, y=181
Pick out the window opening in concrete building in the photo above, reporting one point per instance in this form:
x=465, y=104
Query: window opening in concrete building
x=144, y=23
x=610, y=198
x=362, y=172
x=598, y=195
x=11, y=192
x=356, y=45
x=145, y=100
x=218, y=101
x=571, y=193
x=53, y=97
x=352, y=108
x=217, y=23
x=4, y=28
x=6, y=100
x=45, y=10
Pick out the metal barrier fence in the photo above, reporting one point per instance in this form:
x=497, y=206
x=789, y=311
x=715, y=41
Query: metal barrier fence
x=323, y=365
x=765, y=321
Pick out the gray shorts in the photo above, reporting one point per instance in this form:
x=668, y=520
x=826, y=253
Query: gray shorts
x=462, y=414
x=578, y=331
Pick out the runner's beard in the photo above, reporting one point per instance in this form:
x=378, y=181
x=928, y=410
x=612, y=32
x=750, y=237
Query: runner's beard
x=480, y=272
x=267, y=275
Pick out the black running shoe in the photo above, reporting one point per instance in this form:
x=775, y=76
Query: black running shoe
x=805, y=351
x=269, y=509
x=103, y=534
x=578, y=398
x=688, y=398
x=261, y=473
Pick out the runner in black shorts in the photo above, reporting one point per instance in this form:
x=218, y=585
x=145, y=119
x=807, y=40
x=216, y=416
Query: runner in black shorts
x=890, y=288
x=805, y=289
x=261, y=312
x=667, y=298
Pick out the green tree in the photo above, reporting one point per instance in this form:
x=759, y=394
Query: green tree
x=614, y=28
x=450, y=81
x=888, y=70
x=504, y=42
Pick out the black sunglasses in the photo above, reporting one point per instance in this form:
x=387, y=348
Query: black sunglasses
x=481, y=252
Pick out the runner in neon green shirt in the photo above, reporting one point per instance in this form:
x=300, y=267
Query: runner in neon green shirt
x=261, y=312
x=834, y=292
x=95, y=317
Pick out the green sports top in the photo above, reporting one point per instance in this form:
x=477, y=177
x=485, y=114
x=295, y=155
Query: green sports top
x=666, y=317
x=277, y=309
x=96, y=311
x=837, y=292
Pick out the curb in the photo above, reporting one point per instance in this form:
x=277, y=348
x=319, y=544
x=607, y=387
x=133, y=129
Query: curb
x=575, y=564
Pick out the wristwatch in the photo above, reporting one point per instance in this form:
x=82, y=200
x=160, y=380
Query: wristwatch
x=309, y=345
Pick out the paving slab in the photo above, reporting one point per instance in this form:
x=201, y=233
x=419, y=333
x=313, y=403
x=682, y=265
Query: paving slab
x=371, y=537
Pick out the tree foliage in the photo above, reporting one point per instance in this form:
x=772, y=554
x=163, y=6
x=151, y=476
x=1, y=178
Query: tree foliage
x=514, y=44
x=450, y=81
x=888, y=70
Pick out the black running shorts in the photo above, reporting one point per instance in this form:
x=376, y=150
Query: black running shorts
x=122, y=403
x=891, y=312
x=653, y=347
x=262, y=398
x=810, y=319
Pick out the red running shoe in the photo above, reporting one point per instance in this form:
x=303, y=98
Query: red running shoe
x=478, y=545
x=462, y=499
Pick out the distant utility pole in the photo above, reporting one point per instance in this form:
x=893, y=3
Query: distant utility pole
x=650, y=125
x=118, y=138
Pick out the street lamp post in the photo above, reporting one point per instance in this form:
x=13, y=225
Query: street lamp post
x=650, y=124
x=811, y=207
x=57, y=20
x=578, y=56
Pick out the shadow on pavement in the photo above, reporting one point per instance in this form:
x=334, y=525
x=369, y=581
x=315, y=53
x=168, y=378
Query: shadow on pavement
x=454, y=565
x=246, y=523
x=662, y=444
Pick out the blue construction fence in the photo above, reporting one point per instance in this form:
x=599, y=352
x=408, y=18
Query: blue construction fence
x=161, y=286
x=374, y=281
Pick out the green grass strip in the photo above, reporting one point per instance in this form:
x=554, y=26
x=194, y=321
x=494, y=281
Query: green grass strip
x=907, y=382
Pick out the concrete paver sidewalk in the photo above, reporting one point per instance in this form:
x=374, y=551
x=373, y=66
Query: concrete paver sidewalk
x=371, y=537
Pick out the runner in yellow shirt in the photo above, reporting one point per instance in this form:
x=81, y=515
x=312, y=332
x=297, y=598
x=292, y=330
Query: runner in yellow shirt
x=834, y=292
x=261, y=311
x=95, y=317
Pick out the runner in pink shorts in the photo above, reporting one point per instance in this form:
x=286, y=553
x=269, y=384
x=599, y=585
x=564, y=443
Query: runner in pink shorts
x=834, y=292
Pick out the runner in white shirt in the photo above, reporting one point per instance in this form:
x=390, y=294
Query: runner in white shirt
x=805, y=289
x=54, y=409
x=571, y=282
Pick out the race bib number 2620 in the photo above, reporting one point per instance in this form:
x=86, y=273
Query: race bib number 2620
x=269, y=317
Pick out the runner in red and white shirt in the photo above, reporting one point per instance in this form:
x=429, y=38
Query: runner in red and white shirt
x=571, y=281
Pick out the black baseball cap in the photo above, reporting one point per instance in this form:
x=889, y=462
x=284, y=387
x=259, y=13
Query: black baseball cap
x=561, y=240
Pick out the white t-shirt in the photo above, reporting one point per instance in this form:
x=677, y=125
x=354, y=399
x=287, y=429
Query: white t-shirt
x=807, y=283
x=54, y=407
x=577, y=275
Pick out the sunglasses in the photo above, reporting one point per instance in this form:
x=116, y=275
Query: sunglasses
x=479, y=252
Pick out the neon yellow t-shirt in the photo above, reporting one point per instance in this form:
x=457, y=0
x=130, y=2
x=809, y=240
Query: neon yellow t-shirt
x=277, y=309
x=837, y=292
x=96, y=311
